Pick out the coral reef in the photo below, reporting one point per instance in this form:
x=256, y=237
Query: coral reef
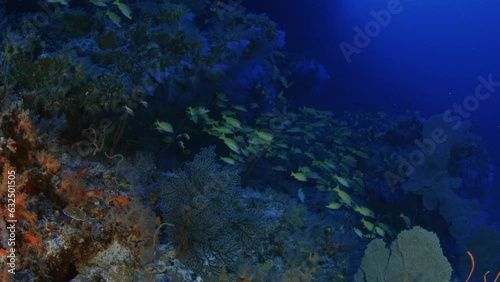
x=161, y=141
x=61, y=218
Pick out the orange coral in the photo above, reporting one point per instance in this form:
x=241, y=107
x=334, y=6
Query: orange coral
x=25, y=124
x=48, y=162
x=472, y=270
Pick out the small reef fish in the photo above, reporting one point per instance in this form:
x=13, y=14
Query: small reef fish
x=344, y=197
x=82, y=172
x=120, y=199
x=406, y=220
x=232, y=121
x=278, y=168
x=299, y=176
x=268, y=137
x=99, y=3
x=114, y=18
x=164, y=126
x=31, y=239
x=364, y=211
x=368, y=225
x=334, y=206
x=301, y=195
x=221, y=96
x=230, y=143
x=180, y=143
x=342, y=181
x=358, y=232
x=379, y=231
x=129, y=110
x=240, y=108
x=228, y=160
x=221, y=129
x=196, y=111
x=144, y=103
x=124, y=9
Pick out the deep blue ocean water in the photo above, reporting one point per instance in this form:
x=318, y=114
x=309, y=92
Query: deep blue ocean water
x=427, y=58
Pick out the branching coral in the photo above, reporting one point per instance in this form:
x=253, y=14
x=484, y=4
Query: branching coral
x=210, y=225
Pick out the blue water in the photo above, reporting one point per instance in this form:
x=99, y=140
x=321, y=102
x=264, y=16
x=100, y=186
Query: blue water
x=426, y=59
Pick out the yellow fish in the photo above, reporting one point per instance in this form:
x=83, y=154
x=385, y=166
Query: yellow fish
x=232, y=121
x=222, y=129
x=268, y=137
x=144, y=103
x=299, y=176
x=344, y=197
x=99, y=3
x=230, y=143
x=227, y=160
x=114, y=18
x=385, y=228
x=358, y=232
x=334, y=206
x=129, y=110
x=201, y=110
x=406, y=220
x=294, y=130
x=284, y=82
x=342, y=181
x=124, y=9
x=240, y=108
x=309, y=155
x=304, y=169
x=278, y=168
x=368, y=225
x=380, y=231
x=364, y=211
x=181, y=145
x=164, y=126
x=197, y=111
x=221, y=96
